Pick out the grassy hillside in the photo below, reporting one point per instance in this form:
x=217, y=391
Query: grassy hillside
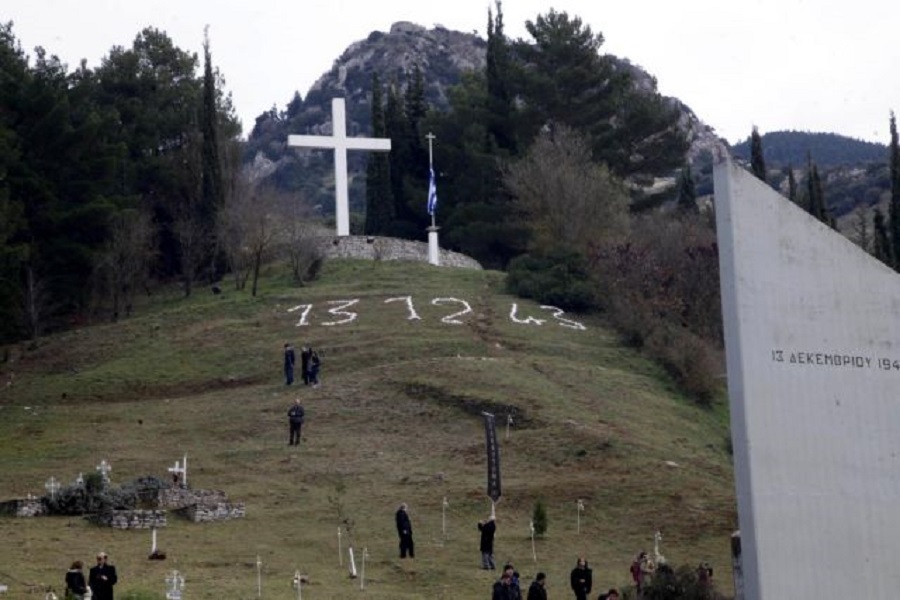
x=397, y=418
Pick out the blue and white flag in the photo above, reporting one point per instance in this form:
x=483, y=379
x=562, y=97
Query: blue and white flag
x=432, y=192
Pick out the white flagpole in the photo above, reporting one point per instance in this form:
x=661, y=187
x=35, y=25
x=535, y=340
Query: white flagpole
x=533, y=551
x=431, y=138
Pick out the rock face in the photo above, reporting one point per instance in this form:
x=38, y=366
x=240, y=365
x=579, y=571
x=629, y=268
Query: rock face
x=442, y=55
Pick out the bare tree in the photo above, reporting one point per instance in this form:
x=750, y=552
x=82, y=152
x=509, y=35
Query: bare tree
x=569, y=200
x=125, y=261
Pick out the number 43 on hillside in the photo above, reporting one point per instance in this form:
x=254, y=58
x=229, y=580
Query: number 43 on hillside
x=340, y=315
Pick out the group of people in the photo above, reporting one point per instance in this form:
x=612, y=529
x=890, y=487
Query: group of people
x=101, y=579
x=508, y=587
x=310, y=363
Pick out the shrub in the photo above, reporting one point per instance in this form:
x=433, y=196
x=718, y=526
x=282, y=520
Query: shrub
x=560, y=278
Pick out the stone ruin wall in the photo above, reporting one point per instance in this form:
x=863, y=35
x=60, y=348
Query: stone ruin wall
x=385, y=248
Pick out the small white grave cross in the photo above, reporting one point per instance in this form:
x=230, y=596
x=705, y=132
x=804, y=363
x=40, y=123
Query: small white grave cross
x=340, y=143
x=580, y=507
x=104, y=468
x=258, y=576
x=52, y=486
x=174, y=585
x=298, y=583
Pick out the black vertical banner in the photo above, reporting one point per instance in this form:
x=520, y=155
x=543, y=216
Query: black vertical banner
x=493, y=458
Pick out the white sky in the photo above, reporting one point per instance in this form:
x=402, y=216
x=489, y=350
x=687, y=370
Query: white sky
x=808, y=65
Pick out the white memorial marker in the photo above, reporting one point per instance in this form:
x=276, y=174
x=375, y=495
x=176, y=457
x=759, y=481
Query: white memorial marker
x=362, y=573
x=258, y=577
x=52, y=486
x=580, y=508
x=298, y=583
x=812, y=324
x=340, y=551
x=79, y=481
x=104, y=468
x=444, y=506
x=174, y=585
x=340, y=143
x=533, y=551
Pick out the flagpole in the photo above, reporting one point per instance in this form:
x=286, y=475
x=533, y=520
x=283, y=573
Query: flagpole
x=431, y=137
x=434, y=253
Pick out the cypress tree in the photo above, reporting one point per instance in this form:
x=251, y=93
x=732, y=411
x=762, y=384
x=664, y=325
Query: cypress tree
x=757, y=162
x=792, y=185
x=501, y=129
x=379, y=200
x=213, y=196
x=894, y=215
x=882, y=245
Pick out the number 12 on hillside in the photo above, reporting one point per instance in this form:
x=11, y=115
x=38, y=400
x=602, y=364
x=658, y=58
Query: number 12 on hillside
x=341, y=315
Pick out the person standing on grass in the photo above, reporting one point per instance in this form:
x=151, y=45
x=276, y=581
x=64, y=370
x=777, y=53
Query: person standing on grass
x=581, y=579
x=314, y=365
x=76, y=586
x=488, y=528
x=288, y=364
x=102, y=578
x=305, y=353
x=404, y=531
x=538, y=589
x=295, y=420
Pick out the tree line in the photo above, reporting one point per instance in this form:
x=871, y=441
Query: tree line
x=120, y=175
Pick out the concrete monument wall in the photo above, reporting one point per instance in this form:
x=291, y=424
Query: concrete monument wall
x=812, y=326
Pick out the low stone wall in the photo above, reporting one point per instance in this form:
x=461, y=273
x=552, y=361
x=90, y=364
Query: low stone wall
x=135, y=519
x=175, y=498
x=385, y=248
x=206, y=513
x=22, y=507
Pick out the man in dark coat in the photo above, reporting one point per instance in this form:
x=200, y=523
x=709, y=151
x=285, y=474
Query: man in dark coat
x=404, y=530
x=487, y=528
x=305, y=354
x=537, y=591
x=289, y=360
x=581, y=579
x=102, y=578
x=295, y=418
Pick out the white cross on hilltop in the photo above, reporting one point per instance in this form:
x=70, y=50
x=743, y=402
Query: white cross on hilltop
x=340, y=143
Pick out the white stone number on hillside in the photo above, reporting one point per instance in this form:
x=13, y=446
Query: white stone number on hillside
x=563, y=322
x=338, y=309
x=452, y=319
x=303, y=314
x=413, y=315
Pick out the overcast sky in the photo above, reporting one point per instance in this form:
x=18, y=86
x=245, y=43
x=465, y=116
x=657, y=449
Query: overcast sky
x=808, y=65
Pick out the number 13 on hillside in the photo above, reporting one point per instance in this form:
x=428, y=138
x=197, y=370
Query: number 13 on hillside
x=340, y=313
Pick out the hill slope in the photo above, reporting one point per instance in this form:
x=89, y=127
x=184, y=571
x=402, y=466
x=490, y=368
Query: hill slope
x=398, y=418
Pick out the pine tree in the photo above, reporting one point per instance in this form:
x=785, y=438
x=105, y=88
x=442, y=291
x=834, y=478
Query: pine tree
x=894, y=214
x=379, y=200
x=757, y=162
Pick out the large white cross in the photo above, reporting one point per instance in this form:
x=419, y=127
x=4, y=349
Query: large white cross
x=340, y=143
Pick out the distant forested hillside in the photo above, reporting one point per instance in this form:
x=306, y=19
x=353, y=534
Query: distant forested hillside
x=781, y=148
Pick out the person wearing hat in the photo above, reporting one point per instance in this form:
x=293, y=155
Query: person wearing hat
x=102, y=578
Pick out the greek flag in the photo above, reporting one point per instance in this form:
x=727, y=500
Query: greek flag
x=432, y=192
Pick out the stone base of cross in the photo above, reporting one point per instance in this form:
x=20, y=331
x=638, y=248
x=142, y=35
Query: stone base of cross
x=340, y=143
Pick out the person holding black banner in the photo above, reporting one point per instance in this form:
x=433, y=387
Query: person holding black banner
x=404, y=530
x=487, y=528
